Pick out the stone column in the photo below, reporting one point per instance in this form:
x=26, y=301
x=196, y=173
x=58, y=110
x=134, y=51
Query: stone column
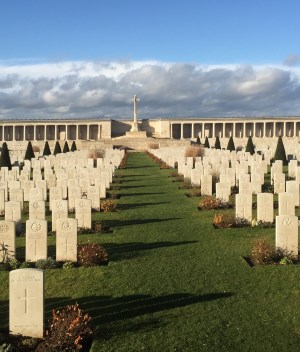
x=244, y=129
x=181, y=131
x=284, y=129
x=223, y=129
x=192, y=130
x=171, y=130
x=234, y=129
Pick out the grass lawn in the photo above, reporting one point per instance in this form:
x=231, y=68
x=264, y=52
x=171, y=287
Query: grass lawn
x=174, y=283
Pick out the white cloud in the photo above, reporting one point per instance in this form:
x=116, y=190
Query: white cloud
x=81, y=89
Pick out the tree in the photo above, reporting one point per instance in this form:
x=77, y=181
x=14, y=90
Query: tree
x=250, y=146
x=280, y=151
x=230, y=145
x=66, y=148
x=206, y=143
x=4, y=157
x=73, y=147
x=29, y=154
x=217, y=143
x=57, y=148
x=198, y=141
x=47, y=150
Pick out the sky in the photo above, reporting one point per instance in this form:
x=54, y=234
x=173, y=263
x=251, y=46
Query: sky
x=192, y=58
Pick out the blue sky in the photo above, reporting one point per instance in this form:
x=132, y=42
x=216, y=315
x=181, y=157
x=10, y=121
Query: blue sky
x=65, y=58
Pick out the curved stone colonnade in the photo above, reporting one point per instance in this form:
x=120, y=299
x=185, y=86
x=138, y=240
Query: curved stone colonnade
x=185, y=128
x=237, y=128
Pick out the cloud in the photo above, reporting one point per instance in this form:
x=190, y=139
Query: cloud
x=91, y=89
x=291, y=60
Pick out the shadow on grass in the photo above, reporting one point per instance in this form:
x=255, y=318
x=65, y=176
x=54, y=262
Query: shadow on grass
x=139, y=194
x=130, y=222
x=121, y=251
x=138, y=205
x=107, y=309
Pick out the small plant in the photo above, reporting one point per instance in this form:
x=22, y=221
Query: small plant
x=194, y=152
x=69, y=330
x=25, y=265
x=223, y=221
x=2, y=212
x=7, y=347
x=84, y=231
x=71, y=211
x=108, y=205
x=186, y=184
x=262, y=252
x=14, y=264
x=164, y=166
x=241, y=222
x=68, y=265
x=100, y=227
x=48, y=263
x=96, y=153
x=195, y=192
x=5, y=252
x=91, y=254
x=210, y=202
x=174, y=173
x=286, y=261
x=25, y=209
x=179, y=178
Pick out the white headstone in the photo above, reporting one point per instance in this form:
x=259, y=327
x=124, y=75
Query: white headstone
x=37, y=210
x=83, y=212
x=66, y=240
x=36, y=240
x=286, y=204
x=26, y=302
x=265, y=207
x=59, y=211
x=243, y=206
x=287, y=233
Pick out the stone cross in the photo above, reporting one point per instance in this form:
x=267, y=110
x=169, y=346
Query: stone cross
x=135, y=127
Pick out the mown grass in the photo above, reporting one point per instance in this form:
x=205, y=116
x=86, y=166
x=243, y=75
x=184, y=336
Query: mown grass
x=174, y=283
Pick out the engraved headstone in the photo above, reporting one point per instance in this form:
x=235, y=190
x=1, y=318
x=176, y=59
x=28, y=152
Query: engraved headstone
x=37, y=210
x=59, y=211
x=287, y=233
x=26, y=302
x=286, y=204
x=66, y=239
x=243, y=206
x=83, y=212
x=265, y=208
x=36, y=240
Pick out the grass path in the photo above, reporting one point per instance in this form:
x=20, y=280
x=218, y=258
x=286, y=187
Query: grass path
x=174, y=283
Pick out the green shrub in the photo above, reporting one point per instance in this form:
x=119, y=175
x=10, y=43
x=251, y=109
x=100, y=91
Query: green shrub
x=68, y=265
x=48, y=263
x=280, y=151
x=217, y=143
x=57, y=148
x=4, y=157
x=91, y=254
x=250, y=146
x=73, y=147
x=230, y=145
x=69, y=330
x=29, y=154
x=206, y=143
x=7, y=347
x=66, y=148
x=46, y=150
